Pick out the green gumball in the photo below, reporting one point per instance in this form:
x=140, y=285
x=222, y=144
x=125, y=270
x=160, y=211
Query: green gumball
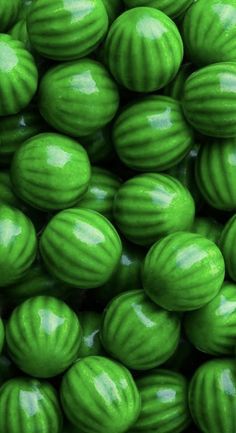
x=174, y=89
x=98, y=145
x=208, y=228
x=9, y=13
x=169, y=7
x=8, y=370
x=7, y=195
x=227, y=246
x=91, y=324
x=19, y=32
x=2, y=335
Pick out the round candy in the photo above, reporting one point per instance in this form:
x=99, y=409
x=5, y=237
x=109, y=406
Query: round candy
x=164, y=396
x=138, y=333
x=215, y=39
x=101, y=191
x=209, y=100
x=169, y=7
x=9, y=13
x=80, y=247
x=43, y=336
x=78, y=98
x=50, y=171
x=18, y=76
x=152, y=134
x=143, y=49
x=183, y=271
x=150, y=206
x=7, y=369
x=212, y=328
x=29, y=406
x=113, y=8
x=98, y=145
x=19, y=32
x=212, y=396
x=18, y=245
x=99, y=395
x=7, y=195
x=91, y=344
x=215, y=173
x=208, y=228
x=174, y=89
x=227, y=246
x=2, y=334
x=66, y=30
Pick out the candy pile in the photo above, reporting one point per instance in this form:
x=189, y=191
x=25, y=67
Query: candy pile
x=117, y=224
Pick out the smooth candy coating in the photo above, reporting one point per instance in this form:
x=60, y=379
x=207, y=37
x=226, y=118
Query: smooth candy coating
x=19, y=32
x=143, y=49
x=227, y=246
x=91, y=344
x=208, y=228
x=18, y=245
x=183, y=271
x=98, y=145
x=65, y=30
x=164, y=396
x=50, y=171
x=113, y=8
x=152, y=134
x=172, y=8
x=149, y=206
x=43, y=336
x=174, y=89
x=9, y=12
x=18, y=76
x=138, y=333
x=209, y=100
x=212, y=396
x=99, y=395
x=212, y=328
x=80, y=247
x=29, y=406
x=215, y=173
x=78, y=98
x=101, y=191
x=215, y=39
x=2, y=335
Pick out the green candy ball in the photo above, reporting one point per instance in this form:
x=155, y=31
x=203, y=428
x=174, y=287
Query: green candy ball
x=19, y=32
x=209, y=100
x=80, y=247
x=2, y=335
x=208, y=228
x=7, y=195
x=150, y=206
x=212, y=328
x=9, y=14
x=29, y=406
x=7, y=369
x=227, y=246
x=99, y=395
x=18, y=245
x=172, y=8
x=43, y=336
x=183, y=271
x=152, y=134
x=98, y=145
x=143, y=49
x=113, y=8
x=174, y=89
x=212, y=396
x=18, y=76
x=91, y=324
x=50, y=171
x=25, y=7
x=164, y=396
x=73, y=29
x=78, y=98
x=138, y=333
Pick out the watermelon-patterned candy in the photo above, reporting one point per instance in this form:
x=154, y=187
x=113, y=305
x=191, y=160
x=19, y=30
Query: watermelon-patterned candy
x=227, y=245
x=183, y=271
x=113, y=8
x=18, y=76
x=19, y=32
x=138, y=333
x=2, y=334
x=28, y=405
x=43, y=336
x=212, y=396
x=164, y=396
x=98, y=145
x=80, y=247
x=18, y=245
x=99, y=395
x=77, y=98
x=207, y=227
x=50, y=171
x=209, y=100
x=212, y=328
x=174, y=89
x=152, y=134
x=9, y=13
x=25, y=7
x=7, y=195
x=151, y=205
x=7, y=368
x=172, y=8
x=143, y=49
x=90, y=344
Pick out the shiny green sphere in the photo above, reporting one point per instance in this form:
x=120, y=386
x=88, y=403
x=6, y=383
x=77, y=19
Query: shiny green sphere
x=227, y=246
x=9, y=13
x=172, y=8
x=91, y=324
x=2, y=335
x=207, y=227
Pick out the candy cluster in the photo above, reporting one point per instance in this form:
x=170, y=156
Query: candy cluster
x=117, y=224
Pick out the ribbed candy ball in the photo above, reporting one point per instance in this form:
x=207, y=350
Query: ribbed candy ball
x=72, y=29
x=152, y=134
x=207, y=227
x=99, y=395
x=212, y=396
x=174, y=89
x=78, y=98
x=19, y=31
x=7, y=195
x=227, y=246
x=50, y=171
x=28, y=405
x=151, y=205
x=215, y=173
x=183, y=271
x=143, y=49
x=2, y=334
x=113, y=8
x=99, y=145
x=138, y=333
x=80, y=247
x=9, y=13
x=43, y=336
x=18, y=76
x=171, y=8
x=18, y=245
x=215, y=40
x=212, y=328
x=91, y=324
x=164, y=396
x=209, y=100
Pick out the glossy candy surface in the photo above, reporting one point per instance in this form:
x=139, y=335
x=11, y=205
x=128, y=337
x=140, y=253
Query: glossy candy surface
x=227, y=246
x=90, y=344
x=169, y=7
x=183, y=271
x=208, y=228
x=9, y=12
x=113, y=8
